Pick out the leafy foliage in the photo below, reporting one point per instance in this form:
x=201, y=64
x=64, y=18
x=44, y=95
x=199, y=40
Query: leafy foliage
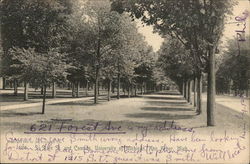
x=31, y=24
x=42, y=68
x=233, y=72
x=198, y=24
x=176, y=61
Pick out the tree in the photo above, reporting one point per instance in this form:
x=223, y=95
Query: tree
x=160, y=77
x=109, y=70
x=1, y=63
x=177, y=63
x=80, y=52
x=145, y=66
x=129, y=54
x=234, y=68
x=11, y=34
x=102, y=29
x=31, y=24
x=40, y=67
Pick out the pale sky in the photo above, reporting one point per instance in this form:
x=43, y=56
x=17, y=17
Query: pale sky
x=155, y=40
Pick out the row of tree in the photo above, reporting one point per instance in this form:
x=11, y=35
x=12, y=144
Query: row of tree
x=177, y=63
x=49, y=42
x=197, y=24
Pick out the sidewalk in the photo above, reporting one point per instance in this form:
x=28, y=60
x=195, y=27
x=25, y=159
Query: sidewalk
x=27, y=105
x=235, y=103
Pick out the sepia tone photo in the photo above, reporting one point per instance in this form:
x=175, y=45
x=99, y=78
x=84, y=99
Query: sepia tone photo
x=124, y=81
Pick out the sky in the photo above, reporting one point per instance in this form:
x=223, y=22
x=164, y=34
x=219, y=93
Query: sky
x=155, y=40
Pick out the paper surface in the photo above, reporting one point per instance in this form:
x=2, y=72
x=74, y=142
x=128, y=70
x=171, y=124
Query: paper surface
x=152, y=128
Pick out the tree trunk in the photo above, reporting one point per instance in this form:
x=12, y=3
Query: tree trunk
x=199, y=94
x=195, y=83
x=44, y=98
x=190, y=91
x=98, y=55
x=145, y=88
x=184, y=93
x=69, y=86
x=123, y=89
x=15, y=87
x=135, y=90
x=128, y=90
x=87, y=87
x=42, y=90
x=109, y=89
x=96, y=85
x=142, y=89
x=4, y=83
x=183, y=89
x=73, y=90
x=77, y=89
x=26, y=90
x=118, y=86
x=90, y=87
x=53, y=90
x=186, y=90
x=247, y=89
x=211, y=88
x=11, y=84
x=113, y=88
x=132, y=90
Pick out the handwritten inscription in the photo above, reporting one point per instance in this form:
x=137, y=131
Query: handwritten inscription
x=140, y=146
x=241, y=22
x=61, y=127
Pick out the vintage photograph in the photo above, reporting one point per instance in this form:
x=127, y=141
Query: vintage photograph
x=124, y=81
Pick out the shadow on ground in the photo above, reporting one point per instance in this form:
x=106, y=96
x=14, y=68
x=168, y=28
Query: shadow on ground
x=166, y=109
x=18, y=114
x=77, y=103
x=89, y=102
x=160, y=116
x=163, y=98
x=168, y=93
x=164, y=103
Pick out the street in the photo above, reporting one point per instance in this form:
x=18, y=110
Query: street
x=142, y=110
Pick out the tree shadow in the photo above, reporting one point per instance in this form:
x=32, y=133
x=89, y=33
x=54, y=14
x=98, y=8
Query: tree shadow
x=160, y=116
x=76, y=103
x=89, y=102
x=166, y=109
x=165, y=103
x=122, y=96
x=16, y=114
x=11, y=98
x=167, y=93
x=163, y=98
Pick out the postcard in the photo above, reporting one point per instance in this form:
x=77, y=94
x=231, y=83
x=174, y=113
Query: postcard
x=124, y=81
